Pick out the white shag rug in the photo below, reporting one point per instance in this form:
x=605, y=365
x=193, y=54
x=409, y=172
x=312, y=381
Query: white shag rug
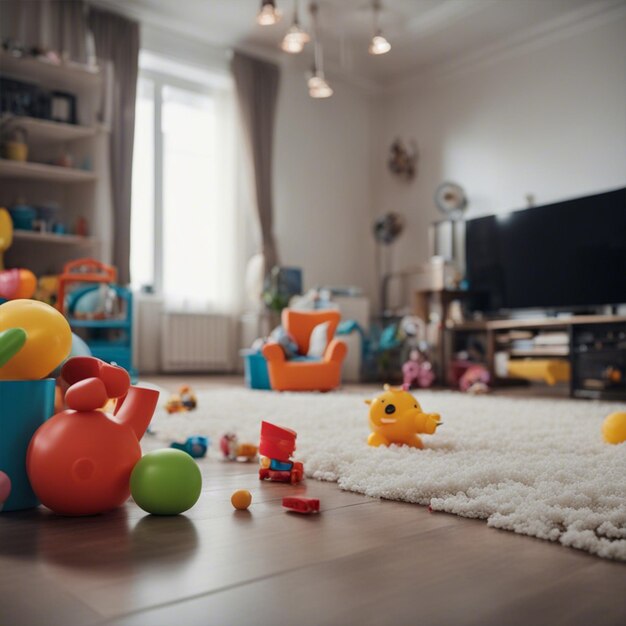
x=536, y=467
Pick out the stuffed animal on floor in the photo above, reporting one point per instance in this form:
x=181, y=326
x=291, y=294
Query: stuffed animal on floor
x=396, y=417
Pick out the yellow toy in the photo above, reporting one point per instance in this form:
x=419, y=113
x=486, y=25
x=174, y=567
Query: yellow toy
x=614, y=428
x=241, y=499
x=48, y=339
x=396, y=417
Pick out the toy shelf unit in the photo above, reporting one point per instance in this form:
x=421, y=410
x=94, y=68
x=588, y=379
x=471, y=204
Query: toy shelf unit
x=99, y=310
x=585, y=353
x=54, y=161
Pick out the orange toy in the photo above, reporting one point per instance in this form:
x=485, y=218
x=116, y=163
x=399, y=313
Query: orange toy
x=80, y=461
x=306, y=376
x=396, y=417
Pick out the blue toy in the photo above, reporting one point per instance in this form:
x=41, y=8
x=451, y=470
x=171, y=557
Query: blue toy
x=195, y=447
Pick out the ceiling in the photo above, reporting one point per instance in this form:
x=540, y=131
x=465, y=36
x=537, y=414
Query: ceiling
x=423, y=33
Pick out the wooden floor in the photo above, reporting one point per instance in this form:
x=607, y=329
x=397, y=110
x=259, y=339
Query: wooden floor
x=360, y=561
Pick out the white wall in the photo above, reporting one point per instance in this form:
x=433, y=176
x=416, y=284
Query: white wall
x=322, y=185
x=549, y=120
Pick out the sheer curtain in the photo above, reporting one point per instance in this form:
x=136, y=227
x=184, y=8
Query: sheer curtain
x=186, y=222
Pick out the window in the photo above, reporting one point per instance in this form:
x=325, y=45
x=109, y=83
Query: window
x=183, y=220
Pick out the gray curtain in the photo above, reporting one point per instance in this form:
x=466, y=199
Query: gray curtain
x=256, y=83
x=116, y=40
x=58, y=25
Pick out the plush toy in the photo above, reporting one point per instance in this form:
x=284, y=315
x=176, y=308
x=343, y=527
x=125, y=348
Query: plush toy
x=396, y=417
x=418, y=370
x=475, y=380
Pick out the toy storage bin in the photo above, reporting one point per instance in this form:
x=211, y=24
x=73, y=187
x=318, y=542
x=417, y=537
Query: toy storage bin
x=24, y=406
x=255, y=370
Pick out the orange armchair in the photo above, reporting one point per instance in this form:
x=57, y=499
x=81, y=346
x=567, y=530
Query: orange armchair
x=302, y=375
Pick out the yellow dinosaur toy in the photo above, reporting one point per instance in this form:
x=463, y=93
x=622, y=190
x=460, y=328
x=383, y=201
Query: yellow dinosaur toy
x=396, y=417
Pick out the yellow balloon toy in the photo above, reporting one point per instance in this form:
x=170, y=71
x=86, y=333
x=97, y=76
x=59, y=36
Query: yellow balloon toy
x=396, y=417
x=614, y=428
x=47, y=341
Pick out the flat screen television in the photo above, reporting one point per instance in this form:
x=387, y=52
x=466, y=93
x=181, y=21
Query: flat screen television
x=569, y=255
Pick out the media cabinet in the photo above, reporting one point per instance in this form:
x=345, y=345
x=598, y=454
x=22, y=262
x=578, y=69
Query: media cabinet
x=595, y=349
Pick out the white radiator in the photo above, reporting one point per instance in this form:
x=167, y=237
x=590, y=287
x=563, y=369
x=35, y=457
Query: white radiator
x=196, y=342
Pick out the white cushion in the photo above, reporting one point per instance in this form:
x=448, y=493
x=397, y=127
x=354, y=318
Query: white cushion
x=318, y=340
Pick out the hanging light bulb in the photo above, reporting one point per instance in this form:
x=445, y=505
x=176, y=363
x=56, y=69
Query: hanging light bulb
x=378, y=44
x=296, y=36
x=316, y=82
x=268, y=14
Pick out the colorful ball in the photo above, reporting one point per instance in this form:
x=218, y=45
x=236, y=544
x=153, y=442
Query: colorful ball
x=48, y=339
x=166, y=482
x=241, y=499
x=614, y=428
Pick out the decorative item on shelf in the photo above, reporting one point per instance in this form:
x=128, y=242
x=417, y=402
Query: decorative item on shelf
x=417, y=371
x=269, y=14
x=23, y=216
x=65, y=159
x=316, y=82
x=63, y=107
x=15, y=146
x=296, y=37
x=403, y=160
x=15, y=283
x=378, y=44
x=82, y=228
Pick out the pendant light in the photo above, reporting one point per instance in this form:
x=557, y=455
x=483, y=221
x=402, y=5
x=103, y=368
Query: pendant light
x=296, y=36
x=318, y=87
x=378, y=44
x=269, y=14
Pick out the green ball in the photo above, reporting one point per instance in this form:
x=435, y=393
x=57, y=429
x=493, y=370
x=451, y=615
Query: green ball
x=166, y=482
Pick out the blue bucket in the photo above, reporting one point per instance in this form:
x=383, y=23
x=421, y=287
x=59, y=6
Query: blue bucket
x=24, y=406
x=255, y=370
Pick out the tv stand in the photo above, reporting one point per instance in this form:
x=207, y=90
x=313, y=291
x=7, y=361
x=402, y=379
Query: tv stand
x=595, y=349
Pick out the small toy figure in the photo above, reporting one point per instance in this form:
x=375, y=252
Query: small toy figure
x=184, y=400
x=305, y=506
x=475, y=380
x=195, y=447
x=276, y=446
x=418, y=370
x=235, y=451
x=395, y=416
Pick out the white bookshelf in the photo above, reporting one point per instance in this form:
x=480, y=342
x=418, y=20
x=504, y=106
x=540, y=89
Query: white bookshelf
x=80, y=193
x=41, y=171
x=45, y=131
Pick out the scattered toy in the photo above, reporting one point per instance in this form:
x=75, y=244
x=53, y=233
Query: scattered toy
x=79, y=462
x=196, y=447
x=475, y=380
x=184, y=400
x=395, y=417
x=276, y=446
x=235, y=451
x=614, y=428
x=166, y=482
x=241, y=499
x=418, y=370
x=305, y=506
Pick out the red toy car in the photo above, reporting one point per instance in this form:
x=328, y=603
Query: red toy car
x=276, y=446
x=302, y=505
x=293, y=476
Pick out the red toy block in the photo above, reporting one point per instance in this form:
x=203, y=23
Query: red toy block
x=305, y=506
x=277, y=442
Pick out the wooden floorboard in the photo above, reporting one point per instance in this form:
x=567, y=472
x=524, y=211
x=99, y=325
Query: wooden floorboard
x=360, y=561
